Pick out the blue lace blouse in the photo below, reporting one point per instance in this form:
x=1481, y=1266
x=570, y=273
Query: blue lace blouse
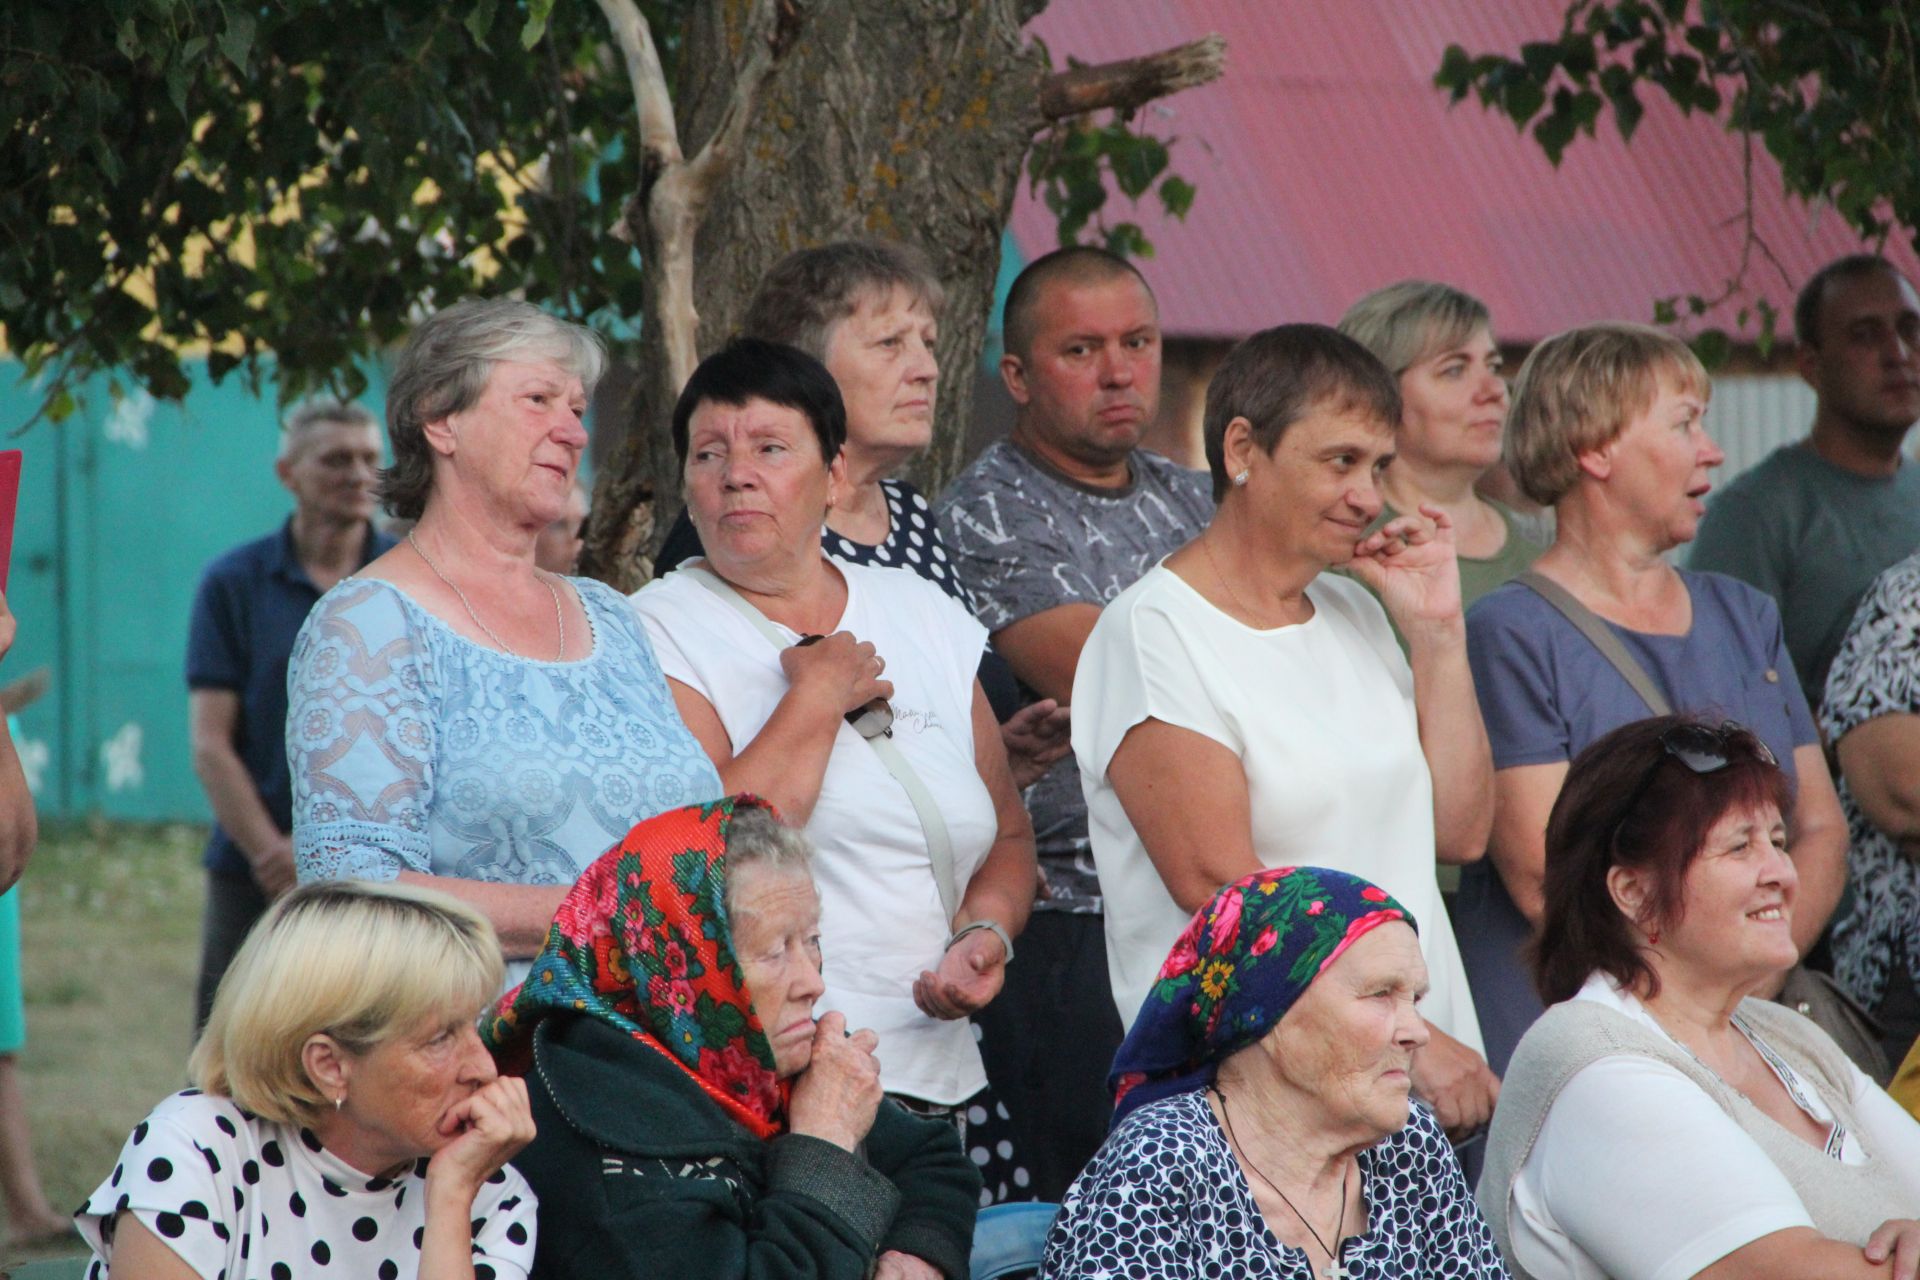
x=414, y=749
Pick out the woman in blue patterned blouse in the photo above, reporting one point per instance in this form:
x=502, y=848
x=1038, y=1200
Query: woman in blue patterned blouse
x=1262, y=1121
x=456, y=715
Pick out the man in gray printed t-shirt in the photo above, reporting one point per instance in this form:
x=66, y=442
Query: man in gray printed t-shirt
x=1045, y=528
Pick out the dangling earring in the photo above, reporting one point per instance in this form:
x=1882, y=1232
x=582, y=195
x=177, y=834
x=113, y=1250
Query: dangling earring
x=1241, y=478
x=1653, y=938
x=340, y=1102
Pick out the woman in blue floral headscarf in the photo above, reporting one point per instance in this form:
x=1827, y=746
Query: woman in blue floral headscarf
x=1262, y=1120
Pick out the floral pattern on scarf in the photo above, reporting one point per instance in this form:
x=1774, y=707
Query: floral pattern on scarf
x=1234, y=972
x=642, y=943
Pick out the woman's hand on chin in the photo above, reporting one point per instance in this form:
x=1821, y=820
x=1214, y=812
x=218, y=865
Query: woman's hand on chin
x=493, y=1125
x=1409, y=562
x=837, y=1096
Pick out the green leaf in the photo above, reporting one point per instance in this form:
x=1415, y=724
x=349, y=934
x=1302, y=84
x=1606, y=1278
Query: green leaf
x=237, y=41
x=1713, y=347
x=538, y=11
x=1523, y=100
x=1176, y=196
x=479, y=21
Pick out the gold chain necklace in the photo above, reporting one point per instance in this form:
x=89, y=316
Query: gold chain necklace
x=559, y=618
x=1206, y=548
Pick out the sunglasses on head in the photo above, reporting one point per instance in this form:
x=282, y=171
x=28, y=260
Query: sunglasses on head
x=1702, y=749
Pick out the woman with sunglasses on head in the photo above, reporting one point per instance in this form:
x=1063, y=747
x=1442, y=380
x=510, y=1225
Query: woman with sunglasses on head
x=845, y=694
x=1607, y=427
x=1658, y=1121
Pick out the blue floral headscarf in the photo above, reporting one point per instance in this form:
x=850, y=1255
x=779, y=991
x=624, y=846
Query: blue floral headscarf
x=1242, y=962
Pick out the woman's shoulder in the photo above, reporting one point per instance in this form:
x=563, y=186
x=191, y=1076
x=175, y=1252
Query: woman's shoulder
x=1738, y=604
x=198, y=1124
x=371, y=606
x=1161, y=1138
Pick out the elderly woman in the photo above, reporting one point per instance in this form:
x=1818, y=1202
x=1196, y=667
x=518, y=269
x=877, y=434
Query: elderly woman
x=1660, y=1122
x=1438, y=342
x=775, y=654
x=1262, y=1125
x=1239, y=707
x=869, y=310
x=1871, y=715
x=696, y=1120
x=1607, y=427
x=458, y=716
x=346, y=1118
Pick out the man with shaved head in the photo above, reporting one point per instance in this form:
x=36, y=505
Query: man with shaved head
x=1817, y=520
x=1046, y=527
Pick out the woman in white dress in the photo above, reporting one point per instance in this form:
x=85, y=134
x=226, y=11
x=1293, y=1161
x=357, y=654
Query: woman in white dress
x=1240, y=708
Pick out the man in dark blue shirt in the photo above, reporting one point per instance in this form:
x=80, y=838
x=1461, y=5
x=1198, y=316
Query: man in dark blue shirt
x=246, y=614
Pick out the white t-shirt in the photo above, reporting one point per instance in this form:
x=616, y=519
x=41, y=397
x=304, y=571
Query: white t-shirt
x=1321, y=715
x=881, y=922
x=1691, y=1182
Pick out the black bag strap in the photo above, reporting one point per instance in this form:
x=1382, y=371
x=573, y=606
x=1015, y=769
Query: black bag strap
x=1595, y=629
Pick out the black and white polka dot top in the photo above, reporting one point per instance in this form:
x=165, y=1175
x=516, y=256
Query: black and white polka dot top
x=1165, y=1198
x=239, y=1198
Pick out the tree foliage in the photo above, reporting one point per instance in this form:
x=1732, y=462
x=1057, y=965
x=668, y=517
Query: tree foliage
x=284, y=186
x=1831, y=90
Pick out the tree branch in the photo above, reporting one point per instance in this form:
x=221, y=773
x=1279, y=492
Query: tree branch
x=1132, y=82
x=651, y=100
x=764, y=47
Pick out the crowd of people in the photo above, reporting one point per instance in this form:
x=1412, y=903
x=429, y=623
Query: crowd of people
x=1372, y=857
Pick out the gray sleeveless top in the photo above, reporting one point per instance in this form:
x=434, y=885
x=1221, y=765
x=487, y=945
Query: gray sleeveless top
x=1846, y=1202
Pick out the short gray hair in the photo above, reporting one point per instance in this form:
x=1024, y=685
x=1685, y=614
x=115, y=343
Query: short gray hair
x=1407, y=322
x=757, y=838
x=805, y=294
x=314, y=414
x=444, y=368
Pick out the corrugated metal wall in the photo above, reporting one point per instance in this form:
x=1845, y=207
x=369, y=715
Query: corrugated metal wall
x=1751, y=415
x=121, y=506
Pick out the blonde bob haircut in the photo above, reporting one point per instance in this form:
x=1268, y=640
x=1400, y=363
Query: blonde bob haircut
x=360, y=961
x=1578, y=390
x=1414, y=320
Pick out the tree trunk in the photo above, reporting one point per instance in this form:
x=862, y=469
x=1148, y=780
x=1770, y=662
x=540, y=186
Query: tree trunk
x=901, y=118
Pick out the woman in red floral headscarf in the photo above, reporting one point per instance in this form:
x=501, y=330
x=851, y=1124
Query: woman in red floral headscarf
x=695, y=1119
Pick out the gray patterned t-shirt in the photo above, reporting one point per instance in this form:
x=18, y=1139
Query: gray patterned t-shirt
x=1027, y=539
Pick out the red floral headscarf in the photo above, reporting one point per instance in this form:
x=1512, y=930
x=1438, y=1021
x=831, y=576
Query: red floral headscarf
x=642, y=943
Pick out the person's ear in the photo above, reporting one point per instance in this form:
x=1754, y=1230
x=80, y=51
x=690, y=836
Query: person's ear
x=1806, y=360
x=1597, y=463
x=327, y=1065
x=836, y=478
x=1631, y=893
x=1237, y=446
x=283, y=471
x=1013, y=372
x=440, y=435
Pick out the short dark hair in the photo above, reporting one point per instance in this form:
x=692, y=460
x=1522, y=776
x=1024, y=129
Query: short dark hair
x=808, y=292
x=1075, y=264
x=1274, y=378
x=1628, y=802
x=1813, y=294
x=755, y=369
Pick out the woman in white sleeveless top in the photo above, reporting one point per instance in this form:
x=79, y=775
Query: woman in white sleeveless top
x=1659, y=1121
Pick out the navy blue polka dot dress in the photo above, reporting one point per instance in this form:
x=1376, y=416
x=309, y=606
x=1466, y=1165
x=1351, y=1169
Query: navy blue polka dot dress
x=1164, y=1198
x=239, y=1198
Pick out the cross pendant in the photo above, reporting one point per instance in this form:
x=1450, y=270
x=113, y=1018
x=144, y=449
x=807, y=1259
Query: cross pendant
x=1334, y=1270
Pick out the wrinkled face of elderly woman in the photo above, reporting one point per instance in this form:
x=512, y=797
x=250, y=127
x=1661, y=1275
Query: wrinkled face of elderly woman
x=1349, y=1041
x=775, y=916
x=757, y=486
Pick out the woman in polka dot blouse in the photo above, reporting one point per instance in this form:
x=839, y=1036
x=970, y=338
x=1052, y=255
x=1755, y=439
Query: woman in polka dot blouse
x=347, y=1120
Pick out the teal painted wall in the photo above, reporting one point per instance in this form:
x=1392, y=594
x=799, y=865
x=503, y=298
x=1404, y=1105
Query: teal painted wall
x=121, y=506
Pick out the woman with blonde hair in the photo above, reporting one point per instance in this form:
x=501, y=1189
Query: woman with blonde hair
x=346, y=1114
x=1607, y=427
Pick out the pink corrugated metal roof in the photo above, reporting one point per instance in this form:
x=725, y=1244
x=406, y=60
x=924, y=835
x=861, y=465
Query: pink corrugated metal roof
x=1328, y=165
